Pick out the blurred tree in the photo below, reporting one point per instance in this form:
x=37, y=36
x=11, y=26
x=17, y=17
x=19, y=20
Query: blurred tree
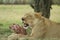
x=27, y=1
x=1, y=1
x=56, y=2
x=24, y=1
x=42, y=6
x=11, y=1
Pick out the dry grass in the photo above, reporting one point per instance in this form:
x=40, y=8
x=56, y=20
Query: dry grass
x=12, y=14
x=55, y=13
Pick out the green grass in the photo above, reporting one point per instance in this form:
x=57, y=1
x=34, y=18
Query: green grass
x=10, y=14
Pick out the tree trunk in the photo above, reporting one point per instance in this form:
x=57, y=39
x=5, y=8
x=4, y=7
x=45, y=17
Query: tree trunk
x=42, y=6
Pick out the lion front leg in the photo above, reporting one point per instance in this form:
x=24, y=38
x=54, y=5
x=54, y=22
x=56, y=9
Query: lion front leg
x=14, y=36
x=21, y=37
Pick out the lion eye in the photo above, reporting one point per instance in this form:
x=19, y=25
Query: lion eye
x=29, y=16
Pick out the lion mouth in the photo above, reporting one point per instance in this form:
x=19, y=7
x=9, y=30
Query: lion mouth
x=26, y=25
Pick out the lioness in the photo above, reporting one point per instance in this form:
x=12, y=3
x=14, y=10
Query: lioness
x=41, y=26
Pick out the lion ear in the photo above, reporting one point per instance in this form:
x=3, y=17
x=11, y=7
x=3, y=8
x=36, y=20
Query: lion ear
x=37, y=15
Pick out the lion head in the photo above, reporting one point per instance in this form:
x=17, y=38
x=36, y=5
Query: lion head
x=31, y=19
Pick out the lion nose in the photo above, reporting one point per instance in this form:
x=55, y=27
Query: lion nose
x=22, y=19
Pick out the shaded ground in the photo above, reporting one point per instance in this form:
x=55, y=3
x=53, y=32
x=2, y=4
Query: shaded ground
x=12, y=14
